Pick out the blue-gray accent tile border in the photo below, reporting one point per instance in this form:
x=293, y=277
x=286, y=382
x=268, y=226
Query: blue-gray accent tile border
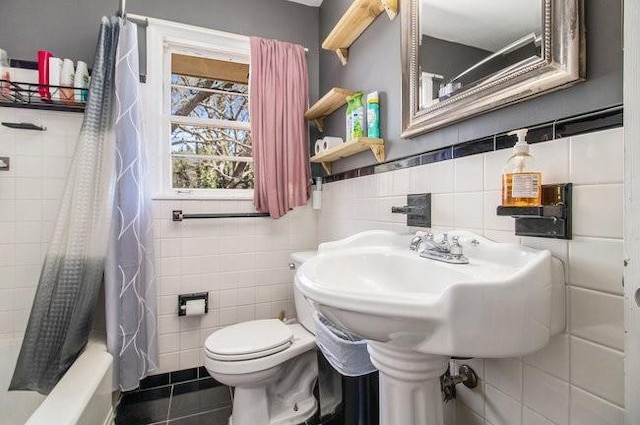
x=560, y=128
x=184, y=375
x=474, y=147
x=174, y=377
x=154, y=381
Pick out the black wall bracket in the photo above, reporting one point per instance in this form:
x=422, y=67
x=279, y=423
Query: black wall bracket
x=552, y=219
x=418, y=210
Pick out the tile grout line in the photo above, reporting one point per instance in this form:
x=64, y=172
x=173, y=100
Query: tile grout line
x=567, y=311
x=590, y=289
x=175, y=383
x=596, y=396
x=597, y=344
x=170, y=401
x=198, y=413
x=522, y=403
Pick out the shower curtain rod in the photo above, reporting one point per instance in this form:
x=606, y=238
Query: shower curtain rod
x=122, y=11
x=143, y=21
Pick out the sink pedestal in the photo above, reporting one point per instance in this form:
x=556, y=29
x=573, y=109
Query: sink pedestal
x=409, y=385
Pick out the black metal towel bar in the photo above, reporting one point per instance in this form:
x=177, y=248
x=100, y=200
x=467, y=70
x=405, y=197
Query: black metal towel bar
x=177, y=215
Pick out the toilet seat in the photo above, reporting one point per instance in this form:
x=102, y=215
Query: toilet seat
x=248, y=356
x=249, y=340
x=302, y=341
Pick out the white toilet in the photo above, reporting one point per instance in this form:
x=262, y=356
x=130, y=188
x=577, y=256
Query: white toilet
x=272, y=366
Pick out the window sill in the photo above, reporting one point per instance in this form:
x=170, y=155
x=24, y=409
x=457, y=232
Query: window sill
x=223, y=195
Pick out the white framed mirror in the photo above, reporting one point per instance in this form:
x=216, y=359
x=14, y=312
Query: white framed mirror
x=462, y=58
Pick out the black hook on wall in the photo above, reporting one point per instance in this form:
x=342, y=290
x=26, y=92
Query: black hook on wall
x=24, y=126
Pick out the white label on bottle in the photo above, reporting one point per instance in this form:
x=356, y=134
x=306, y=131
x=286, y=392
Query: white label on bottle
x=525, y=186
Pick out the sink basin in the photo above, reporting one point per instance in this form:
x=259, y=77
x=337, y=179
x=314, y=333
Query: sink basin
x=415, y=312
x=507, y=302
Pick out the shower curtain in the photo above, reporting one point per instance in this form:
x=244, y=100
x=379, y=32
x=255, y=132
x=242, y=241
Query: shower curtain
x=102, y=233
x=71, y=276
x=130, y=289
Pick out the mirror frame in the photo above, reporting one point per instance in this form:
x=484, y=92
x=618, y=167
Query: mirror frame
x=562, y=64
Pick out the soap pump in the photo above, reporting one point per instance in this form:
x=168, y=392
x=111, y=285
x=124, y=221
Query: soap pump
x=521, y=179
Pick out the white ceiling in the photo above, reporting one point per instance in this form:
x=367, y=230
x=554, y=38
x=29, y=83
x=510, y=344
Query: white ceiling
x=314, y=3
x=488, y=25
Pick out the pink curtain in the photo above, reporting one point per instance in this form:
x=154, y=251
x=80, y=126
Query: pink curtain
x=278, y=90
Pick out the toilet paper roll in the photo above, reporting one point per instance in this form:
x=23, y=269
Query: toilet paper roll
x=194, y=308
x=319, y=146
x=331, y=142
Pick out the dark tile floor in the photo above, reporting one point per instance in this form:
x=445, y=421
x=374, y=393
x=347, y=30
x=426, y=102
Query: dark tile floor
x=198, y=402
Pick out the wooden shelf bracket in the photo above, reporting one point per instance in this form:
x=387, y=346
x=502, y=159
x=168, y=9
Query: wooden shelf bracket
x=355, y=20
x=343, y=55
x=391, y=7
x=378, y=152
x=328, y=104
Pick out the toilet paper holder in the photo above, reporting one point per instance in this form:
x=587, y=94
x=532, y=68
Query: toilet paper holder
x=184, y=298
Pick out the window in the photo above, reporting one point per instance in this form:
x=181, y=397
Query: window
x=210, y=132
x=197, y=108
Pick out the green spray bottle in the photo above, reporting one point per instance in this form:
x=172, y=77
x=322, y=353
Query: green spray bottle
x=349, y=120
x=357, y=115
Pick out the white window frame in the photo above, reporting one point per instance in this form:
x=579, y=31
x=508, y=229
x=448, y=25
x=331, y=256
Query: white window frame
x=163, y=39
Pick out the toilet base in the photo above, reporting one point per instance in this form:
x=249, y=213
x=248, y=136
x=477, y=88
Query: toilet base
x=287, y=401
x=303, y=414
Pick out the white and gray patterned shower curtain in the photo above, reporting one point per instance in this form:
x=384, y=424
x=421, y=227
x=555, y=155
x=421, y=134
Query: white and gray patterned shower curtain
x=72, y=272
x=105, y=190
x=130, y=289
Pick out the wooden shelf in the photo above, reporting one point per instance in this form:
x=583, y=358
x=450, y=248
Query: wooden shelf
x=356, y=19
x=349, y=148
x=330, y=102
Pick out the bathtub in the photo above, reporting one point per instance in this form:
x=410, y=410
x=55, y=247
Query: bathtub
x=82, y=397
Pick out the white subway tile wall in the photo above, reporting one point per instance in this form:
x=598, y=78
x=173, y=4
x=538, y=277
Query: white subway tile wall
x=30, y=194
x=243, y=263
x=578, y=378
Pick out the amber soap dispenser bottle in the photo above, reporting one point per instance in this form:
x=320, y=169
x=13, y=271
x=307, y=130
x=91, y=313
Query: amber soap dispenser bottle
x=521, y=179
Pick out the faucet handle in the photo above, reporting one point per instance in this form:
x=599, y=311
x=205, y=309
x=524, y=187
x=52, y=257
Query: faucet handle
x=415, y=243
x=429, y=236
x=456, y=248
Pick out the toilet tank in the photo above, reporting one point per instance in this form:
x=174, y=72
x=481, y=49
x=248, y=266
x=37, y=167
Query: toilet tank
x=304, y=310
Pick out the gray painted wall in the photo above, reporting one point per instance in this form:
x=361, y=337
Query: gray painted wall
x=374, y=64
x=69, y=28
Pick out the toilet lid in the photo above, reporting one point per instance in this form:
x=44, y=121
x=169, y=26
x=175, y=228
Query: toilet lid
x=249, y=340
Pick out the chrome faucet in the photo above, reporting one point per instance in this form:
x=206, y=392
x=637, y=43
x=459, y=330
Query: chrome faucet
x=442, y=246
x=441, y=251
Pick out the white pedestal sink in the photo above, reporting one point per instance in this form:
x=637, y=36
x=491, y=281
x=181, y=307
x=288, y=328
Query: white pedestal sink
x=415, y=313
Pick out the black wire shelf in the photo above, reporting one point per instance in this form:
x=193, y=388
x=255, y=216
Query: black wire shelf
x=27, y=95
